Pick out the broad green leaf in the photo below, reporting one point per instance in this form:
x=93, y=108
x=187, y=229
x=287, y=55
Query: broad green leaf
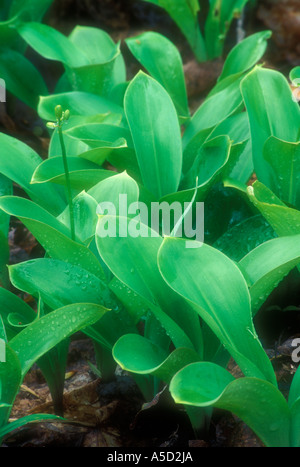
x=52, y=168
x=209, y=163
x=15, y=154
x=245, y=54
x=13, y=67
x=218, y=23
x=219, y=293
x=294, y=392
x=238, y=241
x=284, y=158
x=295, y=75
x=156, y=134
x=284, y=220
x=10, y=376
x=134, y=303
x=29, y=9
x=138, y=269
x=11, y=305
x=52, y=44
x=162, y=60
x=79, y=103
x=185, y=15
x=45, y=333
x=85, y=218
x=267, y=265
x=217, y=107
x=73, y=284
x=52, y=234
x=267, y=94
x=107, y=67
x=257, y=402
x=137, y=354
x=117, y=193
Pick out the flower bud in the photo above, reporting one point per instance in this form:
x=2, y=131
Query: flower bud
x=51, y=125
x=58, y=112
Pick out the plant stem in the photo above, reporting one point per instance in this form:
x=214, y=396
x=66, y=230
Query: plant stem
x=68, y=185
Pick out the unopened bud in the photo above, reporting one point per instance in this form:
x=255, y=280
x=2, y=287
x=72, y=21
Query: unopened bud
x=66, y=115
x=51, y=125
x=58, y=112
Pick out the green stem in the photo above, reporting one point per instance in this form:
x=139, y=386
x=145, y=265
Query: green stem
x=68, y=184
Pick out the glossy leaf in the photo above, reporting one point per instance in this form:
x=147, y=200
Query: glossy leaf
x=239, y=240
x=284, y=220
x=137, y=354
x=185, y=15
x=73, y=284
x=218, y=23
x=11, y=377
x=162, y=60
x=219, y=293
x=267, y=94
x=156, y=134
x=52, y=234
x=267, y=265
x=139, y=271
x=43, y=334
x=257, y=402
x=13, y=67
x=245, y=54
x=14, y=154
x=209, y=163
x=284, y=158
x=79, y=103
x=11, y=305
x=53, y=168
x=225, y=101
x=52, y=44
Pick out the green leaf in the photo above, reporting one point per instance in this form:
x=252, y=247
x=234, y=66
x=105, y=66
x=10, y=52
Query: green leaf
x=15, y=154
x=185, y=15
x=224, y=102
x=267, y=94
x=156, y=134
x=10, y=377
x=52, y=234
x=257, y=402
x=162, y=60
x=239, y=240
x=216, y=288
x=32, y=10
x=116, y=190
x=245, y=54
x=267, y=265
x=85, y=220
x=79, y=103
x=53, y=168
x=12, y=305
x=295, y=75
x=218, y=23
x=40, y=418
x=284, y=158
x=138, y=270
x=106, y=67
x=52, y=44
x=137, y=354
x=284, y=220
x=45, y=333
x=13, y=67
x=209, y=163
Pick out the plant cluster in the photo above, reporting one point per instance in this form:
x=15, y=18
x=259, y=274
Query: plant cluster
x=167, y=314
